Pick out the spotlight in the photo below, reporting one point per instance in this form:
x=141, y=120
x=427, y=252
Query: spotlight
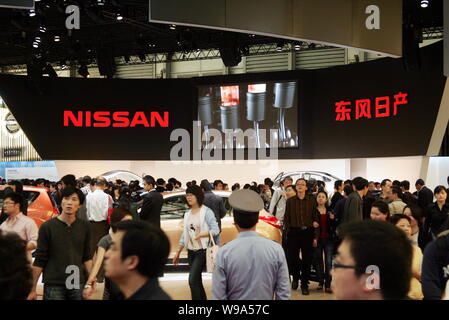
x=35, y=45
x=100, y=2
x=173, y=27
x=297, y=47
x=37, y=39
x=42, y=29
x=57, y=38
x=119, y=17
x=32, y=13
x=424, y=3
x=83, y=71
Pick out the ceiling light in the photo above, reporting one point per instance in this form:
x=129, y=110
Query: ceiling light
x=42, y=29
x=119, y=17
x=424, y=3
x=57, y=38
x=32, y=13
x=297, y=47
x=173, y=27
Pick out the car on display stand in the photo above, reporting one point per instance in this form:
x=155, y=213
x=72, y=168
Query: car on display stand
x=123, y=175
x=327, y=178
x=40, y=204
x=172, y=221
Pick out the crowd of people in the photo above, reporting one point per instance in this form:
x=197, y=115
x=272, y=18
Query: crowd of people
x=365, y=240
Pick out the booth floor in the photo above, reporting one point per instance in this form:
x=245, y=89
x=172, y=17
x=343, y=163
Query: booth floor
x=177, y=286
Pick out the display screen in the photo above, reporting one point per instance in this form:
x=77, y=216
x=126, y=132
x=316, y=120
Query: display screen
x=266, y=113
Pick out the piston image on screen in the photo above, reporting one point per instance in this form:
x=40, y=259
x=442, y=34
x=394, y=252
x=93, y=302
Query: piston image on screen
x=258, y=106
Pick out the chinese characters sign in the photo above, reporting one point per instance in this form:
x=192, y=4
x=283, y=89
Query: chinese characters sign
x=380, y=107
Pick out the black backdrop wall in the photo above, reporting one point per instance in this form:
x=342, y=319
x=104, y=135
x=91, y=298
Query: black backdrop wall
x=363, y=127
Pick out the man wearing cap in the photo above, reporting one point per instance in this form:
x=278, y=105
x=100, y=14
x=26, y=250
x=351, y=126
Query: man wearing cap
x=250, y=267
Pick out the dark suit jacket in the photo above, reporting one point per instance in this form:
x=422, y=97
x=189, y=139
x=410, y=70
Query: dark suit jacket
x=353, y=208
x=425, y=198
x=215, y=203
x=151, y=208
x=150, y=291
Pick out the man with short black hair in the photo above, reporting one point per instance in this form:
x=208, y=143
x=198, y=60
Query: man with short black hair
x=63, y=251
x=385, y=185
x=338, y=190
x=425, y=195
x=250, y=267
x=152, y=202
x=213, y=202
x=373, y=262
x=354, y=204
x=86, y=189
x=407, y=196
x=380, y=211
x=138, y=254
x=218, y=185
x=160, y=185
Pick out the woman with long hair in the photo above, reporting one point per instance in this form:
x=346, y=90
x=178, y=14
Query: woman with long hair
x=325, y=246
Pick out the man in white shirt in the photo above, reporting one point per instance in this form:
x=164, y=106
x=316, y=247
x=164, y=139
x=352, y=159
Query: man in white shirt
x=98, y=204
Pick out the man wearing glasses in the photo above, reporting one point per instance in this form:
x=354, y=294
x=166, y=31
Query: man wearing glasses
x=373, y=262
x=19, y=223
x=301, y=227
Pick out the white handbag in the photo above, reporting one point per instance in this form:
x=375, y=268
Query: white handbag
x=211, y=254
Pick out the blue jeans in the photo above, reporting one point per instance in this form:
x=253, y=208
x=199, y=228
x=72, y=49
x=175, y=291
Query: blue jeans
x=55, y=292
x=197, y=262
x=326, y=247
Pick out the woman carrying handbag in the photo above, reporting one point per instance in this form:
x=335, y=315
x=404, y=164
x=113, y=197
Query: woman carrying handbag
x=199, y=224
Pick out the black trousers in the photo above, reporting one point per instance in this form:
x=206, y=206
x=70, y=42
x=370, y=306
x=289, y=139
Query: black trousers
x=300, y=241
x=98, y=230
x=197, y=262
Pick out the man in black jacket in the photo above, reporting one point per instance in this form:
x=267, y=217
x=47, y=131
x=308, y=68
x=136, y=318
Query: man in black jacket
x=214, y=202
x=136, y=258
x=425, y=195
x=354, y=204
x=152, y=203
x=435, y=268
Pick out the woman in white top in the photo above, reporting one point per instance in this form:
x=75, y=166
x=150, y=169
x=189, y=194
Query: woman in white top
x=199, y=221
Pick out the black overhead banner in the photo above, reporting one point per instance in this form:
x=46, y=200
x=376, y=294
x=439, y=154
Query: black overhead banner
x=98, y=119
x=371, y=109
